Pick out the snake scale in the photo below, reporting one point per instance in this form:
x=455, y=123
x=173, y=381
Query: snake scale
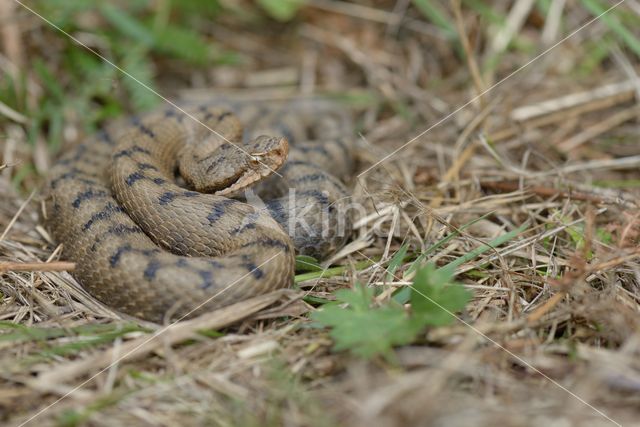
x=151, y=208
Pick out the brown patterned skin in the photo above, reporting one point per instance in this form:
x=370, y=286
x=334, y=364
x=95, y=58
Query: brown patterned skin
x=155, y=250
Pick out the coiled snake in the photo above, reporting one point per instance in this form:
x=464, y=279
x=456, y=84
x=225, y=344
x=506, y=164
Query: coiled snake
x=154, y=249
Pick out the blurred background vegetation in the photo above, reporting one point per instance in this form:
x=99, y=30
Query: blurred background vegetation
x=166, y=45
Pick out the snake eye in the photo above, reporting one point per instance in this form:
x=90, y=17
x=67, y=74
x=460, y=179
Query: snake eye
x=254, y=160
x=257, y=157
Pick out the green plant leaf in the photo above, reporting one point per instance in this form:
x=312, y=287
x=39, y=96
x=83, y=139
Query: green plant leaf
x=365, y=330
x=281, y=10
x=435, y=298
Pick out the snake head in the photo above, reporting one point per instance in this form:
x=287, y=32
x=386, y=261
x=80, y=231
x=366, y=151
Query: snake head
x=231, y=168
x=264, y=155
x=267, y=154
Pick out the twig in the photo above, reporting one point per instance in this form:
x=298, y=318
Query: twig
x=11, y=35
x=567, y=281
x=510, y=186
x=606, y=265
x=553, y=22
x=599, y=128
x=37, y=266
x=468, y=152
x=628, y=69
x=517, y=16
x=529, y=112
x=546, y=307
x=563, y=116
x=619, y=163
x=16, y=216
x=12, y=114
x=471, y=63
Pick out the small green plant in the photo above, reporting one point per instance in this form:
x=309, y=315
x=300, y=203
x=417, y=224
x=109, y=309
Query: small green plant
x=281, y=10
x=435, y=297
x=367, y=330
x=604, y=236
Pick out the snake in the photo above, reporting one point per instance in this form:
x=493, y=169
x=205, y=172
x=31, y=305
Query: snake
x=195, y=207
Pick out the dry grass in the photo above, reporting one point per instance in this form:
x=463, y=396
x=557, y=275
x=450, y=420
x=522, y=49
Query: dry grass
x=552, y=334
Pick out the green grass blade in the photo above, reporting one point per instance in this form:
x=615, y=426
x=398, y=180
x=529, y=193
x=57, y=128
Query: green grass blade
x=331, y=272
x=484, y=248
x=418, y=262
x=127, y=24
x=434, y=13
x=396, y=261
x=614, y=24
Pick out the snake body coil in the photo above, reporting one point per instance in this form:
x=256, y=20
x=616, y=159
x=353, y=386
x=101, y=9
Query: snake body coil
x=156, y=250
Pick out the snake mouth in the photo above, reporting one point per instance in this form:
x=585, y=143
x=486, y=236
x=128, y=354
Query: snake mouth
x=259, y=166
x=239, y=182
